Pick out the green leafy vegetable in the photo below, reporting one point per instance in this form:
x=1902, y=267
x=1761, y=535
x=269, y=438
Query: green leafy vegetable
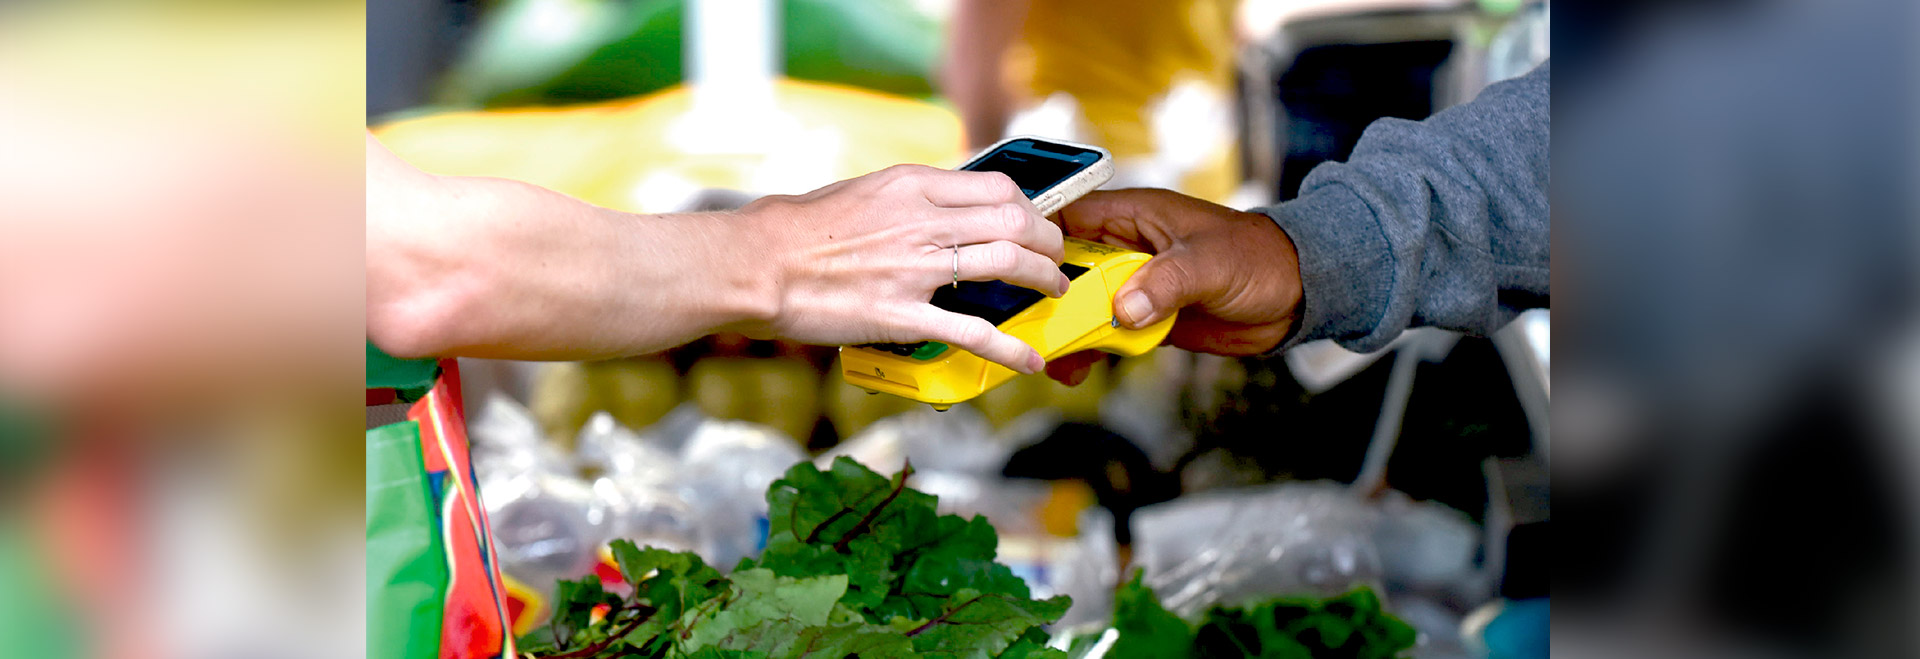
x=1147, y=629
x=856, y=565
x=975, y=624
x=1349, y=626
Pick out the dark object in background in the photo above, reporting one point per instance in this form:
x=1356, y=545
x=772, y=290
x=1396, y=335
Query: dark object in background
x=1122, y=478
x=1331, y=93
x=1529, y=570
x=1817, y=532
x=1461, y=411
x=409, y=44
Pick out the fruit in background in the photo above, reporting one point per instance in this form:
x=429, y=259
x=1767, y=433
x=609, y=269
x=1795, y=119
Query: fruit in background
x=1060, y=512
x=637, y=392
x=562, y=401
x=1026, y=393
x=852, y=409
x=780, y=392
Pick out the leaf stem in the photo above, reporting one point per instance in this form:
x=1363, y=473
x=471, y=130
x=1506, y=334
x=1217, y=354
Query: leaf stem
x=815, y=535
x=942, y=617
x=644, y=613
x=553, y=626
x=899, y=485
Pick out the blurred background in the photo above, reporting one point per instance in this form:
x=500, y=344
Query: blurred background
x=182, y=477
x=181, y=319
x=1421, y=470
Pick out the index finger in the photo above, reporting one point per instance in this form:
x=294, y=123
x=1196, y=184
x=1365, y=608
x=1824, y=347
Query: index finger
x=959, y=189
x=975, y=335
x=1101, y=213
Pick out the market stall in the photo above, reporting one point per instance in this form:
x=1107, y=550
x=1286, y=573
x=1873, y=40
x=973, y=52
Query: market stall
x=739, y=497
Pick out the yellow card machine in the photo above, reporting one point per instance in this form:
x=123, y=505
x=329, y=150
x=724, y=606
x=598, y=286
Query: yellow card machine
x=936, y=373
x=1052, y=174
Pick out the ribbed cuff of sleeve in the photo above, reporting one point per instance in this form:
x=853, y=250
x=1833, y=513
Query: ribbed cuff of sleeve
x=1346, y=266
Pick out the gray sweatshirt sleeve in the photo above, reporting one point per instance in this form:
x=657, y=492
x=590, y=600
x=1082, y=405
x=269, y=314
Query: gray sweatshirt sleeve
x=1439, y=222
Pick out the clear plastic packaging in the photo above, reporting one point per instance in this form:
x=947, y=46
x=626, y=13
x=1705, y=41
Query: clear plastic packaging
x=957, y=440
x=1088, y=571
x=726, y=467
x=1314, y=539
x=547, y=524
x=639, y=488
x=1298, y=538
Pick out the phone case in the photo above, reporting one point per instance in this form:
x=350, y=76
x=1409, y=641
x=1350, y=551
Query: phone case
x=1070, y=190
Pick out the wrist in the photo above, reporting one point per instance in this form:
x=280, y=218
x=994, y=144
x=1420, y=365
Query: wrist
x=421, y=286
x=750, y=278
x=1284, y=265
x=1283, y=270
x=1345, y=265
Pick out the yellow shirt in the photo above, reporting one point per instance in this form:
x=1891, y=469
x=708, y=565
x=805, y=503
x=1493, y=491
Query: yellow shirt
x=1117, y=58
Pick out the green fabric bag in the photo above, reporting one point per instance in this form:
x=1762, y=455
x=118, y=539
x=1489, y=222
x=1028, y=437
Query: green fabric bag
x=410, y=377
x=406, y=563
x=35, y=620
x=26, y=440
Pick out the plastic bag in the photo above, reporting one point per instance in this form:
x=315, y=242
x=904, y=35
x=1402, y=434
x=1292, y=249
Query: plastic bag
x=639, y=490
x=957, y=440
x=728, y=466
x=1295, y=539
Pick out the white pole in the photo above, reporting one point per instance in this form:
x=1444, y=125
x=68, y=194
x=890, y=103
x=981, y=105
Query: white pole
x=732, y=51
x=732, y=55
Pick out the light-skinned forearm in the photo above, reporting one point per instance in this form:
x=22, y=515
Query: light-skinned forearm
x=474, y=267
x=493, y=268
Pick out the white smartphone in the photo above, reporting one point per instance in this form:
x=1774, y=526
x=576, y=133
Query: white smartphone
x=1052, y=173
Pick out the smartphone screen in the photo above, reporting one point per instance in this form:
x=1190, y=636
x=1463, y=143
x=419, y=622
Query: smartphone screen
x=1034, y=165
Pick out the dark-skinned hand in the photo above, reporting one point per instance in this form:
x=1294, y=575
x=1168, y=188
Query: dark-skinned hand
x=1233, y=276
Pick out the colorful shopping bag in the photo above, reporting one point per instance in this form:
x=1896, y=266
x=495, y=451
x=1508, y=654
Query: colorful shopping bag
x=433, y=585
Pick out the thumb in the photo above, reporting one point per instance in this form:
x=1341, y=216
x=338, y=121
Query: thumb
x=1162, y=286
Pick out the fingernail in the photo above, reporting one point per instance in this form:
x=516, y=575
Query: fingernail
x=1035, y=364
x=1064, y=284
x=1135, y=310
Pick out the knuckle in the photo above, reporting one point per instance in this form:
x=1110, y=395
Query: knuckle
x=909, y=170
x=1177, y=274
x=973, y=332
x=772, y=201
x=1010, y=219
x=896, y=175
x=1176, y=281
x=1003, y=185
x=1000, y=257
x=899, y=333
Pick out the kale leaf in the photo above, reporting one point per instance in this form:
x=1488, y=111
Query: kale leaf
x=1351, y=626
x=1147, y=629
x=856, y=565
